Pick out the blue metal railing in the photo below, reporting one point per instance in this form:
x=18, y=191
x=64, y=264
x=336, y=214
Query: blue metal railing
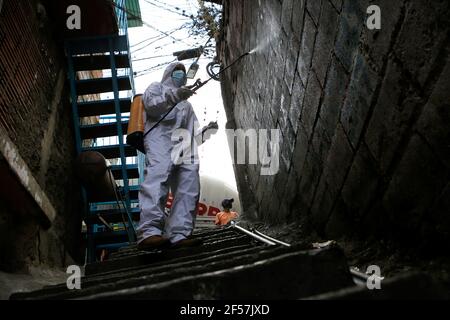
x=122, y=23
x=111, y=44
x=121, y=14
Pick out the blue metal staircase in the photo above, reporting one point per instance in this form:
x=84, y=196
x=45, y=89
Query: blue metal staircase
x=91, y=97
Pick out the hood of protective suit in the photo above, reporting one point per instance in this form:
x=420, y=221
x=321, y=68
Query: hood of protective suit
x=167, y=77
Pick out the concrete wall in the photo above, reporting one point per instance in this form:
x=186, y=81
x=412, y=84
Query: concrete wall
x=364, y=114
x=36, y=117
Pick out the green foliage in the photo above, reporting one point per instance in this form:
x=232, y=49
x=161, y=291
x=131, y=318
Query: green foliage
x=207, y=21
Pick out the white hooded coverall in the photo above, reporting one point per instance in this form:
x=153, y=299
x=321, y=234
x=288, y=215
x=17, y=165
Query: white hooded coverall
x=161, y=172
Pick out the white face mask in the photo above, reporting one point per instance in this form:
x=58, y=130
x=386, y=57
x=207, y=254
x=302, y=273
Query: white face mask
x=179, y=78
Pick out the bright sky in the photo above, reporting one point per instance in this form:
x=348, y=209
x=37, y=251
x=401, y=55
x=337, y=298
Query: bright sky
x=156, y=49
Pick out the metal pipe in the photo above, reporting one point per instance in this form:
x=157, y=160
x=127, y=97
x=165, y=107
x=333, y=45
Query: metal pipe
x=270, y=238
x=198, y=84
x=359, y=274
x=359, y=278
x=105, y=222
x=231, y=64
x=251, y=234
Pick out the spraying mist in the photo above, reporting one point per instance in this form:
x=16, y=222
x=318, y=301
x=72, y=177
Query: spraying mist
x=271, y=29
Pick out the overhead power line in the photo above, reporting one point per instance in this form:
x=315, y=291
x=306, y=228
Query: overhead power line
x=143, y=22
x=154, y=57
x=152, y=68
x=160, y=6
x=157, y=37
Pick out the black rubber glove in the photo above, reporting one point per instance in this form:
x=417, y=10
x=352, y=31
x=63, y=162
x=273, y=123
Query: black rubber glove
x=209, y=130
x=184, y=93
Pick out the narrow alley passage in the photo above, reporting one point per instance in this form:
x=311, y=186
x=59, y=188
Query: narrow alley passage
x=224, y=149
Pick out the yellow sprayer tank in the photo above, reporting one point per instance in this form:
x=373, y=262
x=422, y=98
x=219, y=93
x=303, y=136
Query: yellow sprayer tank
x=136, y=124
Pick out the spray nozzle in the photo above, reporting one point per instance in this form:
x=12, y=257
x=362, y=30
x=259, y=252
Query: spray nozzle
x=198, y=83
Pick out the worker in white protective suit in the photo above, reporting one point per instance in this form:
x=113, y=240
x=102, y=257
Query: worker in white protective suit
x=171, y=162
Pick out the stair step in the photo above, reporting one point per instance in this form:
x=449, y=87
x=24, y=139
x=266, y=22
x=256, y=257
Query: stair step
x=99, y=62
x=112, y=151
x=89, y=281
x=100, y=130
x=291, y=275
x=191, y=259
x=134, y=192
x=399, y=287
x=141, y=259
x=101, y=85
x=100, y=206
x=98, y=45
x=134, y=251
x=267, y=273
x=112, y=216
x=102, y=107
x=109, y=237
x=176, y=270
x=132, y=171
x=159, y=260
x=217, y=234
x=112, y=246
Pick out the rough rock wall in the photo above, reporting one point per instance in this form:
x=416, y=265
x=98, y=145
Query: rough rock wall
x=36, y=114
x=364, y=114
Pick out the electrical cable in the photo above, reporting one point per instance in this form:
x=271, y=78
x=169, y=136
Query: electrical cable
x=154, y=57
x=155, y=39
x=104, y=222
x=209, y=70
x=162, y=32
x=159, y=47
x=153, y=68
x=118, y=204
x=148, y=39
x=141, y=20
x=126, y=210
x=166, y=9
x=169, y=5
x=147, y=24
x=165, y=34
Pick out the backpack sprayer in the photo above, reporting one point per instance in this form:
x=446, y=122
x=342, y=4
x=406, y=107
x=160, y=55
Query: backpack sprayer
x=136, y=124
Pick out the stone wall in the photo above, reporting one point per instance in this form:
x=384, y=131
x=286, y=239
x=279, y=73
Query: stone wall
x=364, y=114
x=36, y=116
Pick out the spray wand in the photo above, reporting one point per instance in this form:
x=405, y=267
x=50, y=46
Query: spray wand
x=197, y=85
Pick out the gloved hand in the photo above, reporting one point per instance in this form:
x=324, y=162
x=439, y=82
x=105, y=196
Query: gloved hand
x=184, y=93
x=209, y=130
x=213, y=125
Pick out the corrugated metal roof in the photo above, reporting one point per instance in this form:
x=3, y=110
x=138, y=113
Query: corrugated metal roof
x=135, y=19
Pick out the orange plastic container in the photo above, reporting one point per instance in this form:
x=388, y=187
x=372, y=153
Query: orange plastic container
x=136, y=124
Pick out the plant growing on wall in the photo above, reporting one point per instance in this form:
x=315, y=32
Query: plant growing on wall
x=207, y=21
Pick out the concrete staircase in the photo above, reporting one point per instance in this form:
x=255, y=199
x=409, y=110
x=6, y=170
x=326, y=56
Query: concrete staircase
x=229, y=265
